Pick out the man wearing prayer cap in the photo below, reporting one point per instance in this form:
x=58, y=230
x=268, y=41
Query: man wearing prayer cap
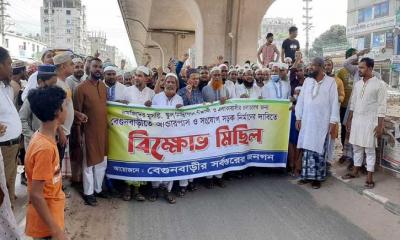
x=317, y=112
x=138, y=94
x=278, y=87
x=232, y=82
x=75, y=149
x=224, y=72
x=266, y=74
x=115, y=89
x=18, y=75
x=119, y=75
x=248, y=89
x=47, y=58
x=65, y=68
x=258, y=75
x=166, y=98
x=215, y=91
x=288, y=61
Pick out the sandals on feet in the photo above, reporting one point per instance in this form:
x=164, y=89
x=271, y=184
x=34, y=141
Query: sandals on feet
x=153, y=195
x=192, y=187
x=349, y=176
x=209, y=184
x=369, y=185
x=182, y=192
x=316, y=184
x=139, y=197
x=127, y=196
x=170, y=199
x=303, y=182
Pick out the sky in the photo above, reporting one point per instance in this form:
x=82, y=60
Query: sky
x=106, y=17
x=325, y=14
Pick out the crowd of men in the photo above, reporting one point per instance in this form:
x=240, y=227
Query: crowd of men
x=56, y=121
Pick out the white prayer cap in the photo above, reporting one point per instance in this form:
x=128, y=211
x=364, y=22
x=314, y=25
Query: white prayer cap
x=258, y=70
x=77, y=60
x=110, y=68
x=270, y=65
x=222, y=65
x=283, y=66
x=62, y=58
x=266, y=70
x=287, y=59
x=232, y=70
x=143, y=69
x=246, y=66
x=215, y=69
x=171, y=75
x=276, y=64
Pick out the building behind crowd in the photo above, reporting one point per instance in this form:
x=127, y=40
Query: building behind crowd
x=278, y=26
x=98, y=43
x=63, y=25
x=374, y=24
x=25, y=48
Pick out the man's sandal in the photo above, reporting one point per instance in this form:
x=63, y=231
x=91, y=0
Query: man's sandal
x=349, y=176
x=139, y=197
x=170, y=199
x=369, y=185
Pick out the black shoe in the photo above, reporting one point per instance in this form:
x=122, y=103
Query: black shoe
x=209, y=183
x=101, y=194
x=24, y=181
x=182, y=191
x=192, y=187
x=316, y=184
x=90, y=200
x=220, y=183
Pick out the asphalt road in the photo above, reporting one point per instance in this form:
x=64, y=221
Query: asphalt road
x=263, y=207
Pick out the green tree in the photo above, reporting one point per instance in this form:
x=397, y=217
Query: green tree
x=335, y=36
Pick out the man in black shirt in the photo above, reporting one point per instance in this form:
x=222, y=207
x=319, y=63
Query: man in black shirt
x=290, y=45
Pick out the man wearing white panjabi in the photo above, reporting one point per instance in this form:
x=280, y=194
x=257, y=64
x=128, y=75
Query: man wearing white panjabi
x=366, y=118
x=231, y=83
x=317, y=112
x=249, y=88
x=277, y=88
x=138, y=94
x=115, y=89
x=167, y=98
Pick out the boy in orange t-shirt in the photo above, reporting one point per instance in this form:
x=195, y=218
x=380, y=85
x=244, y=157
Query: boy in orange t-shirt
x=45, y=213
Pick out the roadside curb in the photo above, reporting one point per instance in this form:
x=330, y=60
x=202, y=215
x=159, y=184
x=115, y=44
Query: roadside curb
x=385, y=202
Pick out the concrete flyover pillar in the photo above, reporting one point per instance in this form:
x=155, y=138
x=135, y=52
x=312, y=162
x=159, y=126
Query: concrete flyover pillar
x=173, y=45
x=210, y=31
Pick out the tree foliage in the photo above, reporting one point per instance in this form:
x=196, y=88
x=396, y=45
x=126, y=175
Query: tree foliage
x=335, y=36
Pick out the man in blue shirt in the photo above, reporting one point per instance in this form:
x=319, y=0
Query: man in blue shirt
x=191, y=94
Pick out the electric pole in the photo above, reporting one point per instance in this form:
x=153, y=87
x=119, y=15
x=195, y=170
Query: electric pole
x=3, y=16
x=307, y=24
